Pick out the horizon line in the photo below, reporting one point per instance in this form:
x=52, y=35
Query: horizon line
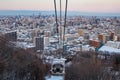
x=68, y=11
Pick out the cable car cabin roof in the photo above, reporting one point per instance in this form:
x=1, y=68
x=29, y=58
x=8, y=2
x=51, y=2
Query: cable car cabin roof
x=57, y=61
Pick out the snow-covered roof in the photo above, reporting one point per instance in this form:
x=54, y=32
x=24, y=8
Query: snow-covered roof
x=24, y=45
x=53, y=40
x=109, y=49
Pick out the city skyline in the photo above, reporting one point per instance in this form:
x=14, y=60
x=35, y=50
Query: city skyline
x=107, y=6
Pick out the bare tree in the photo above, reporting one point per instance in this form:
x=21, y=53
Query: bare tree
x=86, y=66
x=19, y=64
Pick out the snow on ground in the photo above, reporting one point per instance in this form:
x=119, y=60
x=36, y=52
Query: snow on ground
x=55, y=78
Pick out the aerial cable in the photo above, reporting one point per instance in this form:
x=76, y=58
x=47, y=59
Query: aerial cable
x=65, y=23
x=60, y=11
x=56, y=19
x=60, y=19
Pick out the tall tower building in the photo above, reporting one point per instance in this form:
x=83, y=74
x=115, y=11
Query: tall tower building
x=12, y=35
x=39, y=43
x=118, y=32
x=118, y=29
x=46, y=41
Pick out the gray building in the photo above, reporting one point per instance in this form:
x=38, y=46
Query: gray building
x=39, y=43
x=11, y=36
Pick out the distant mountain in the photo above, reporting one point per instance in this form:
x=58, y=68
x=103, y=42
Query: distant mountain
x=70, y=13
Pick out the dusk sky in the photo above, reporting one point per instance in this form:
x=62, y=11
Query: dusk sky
x=112, y=6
